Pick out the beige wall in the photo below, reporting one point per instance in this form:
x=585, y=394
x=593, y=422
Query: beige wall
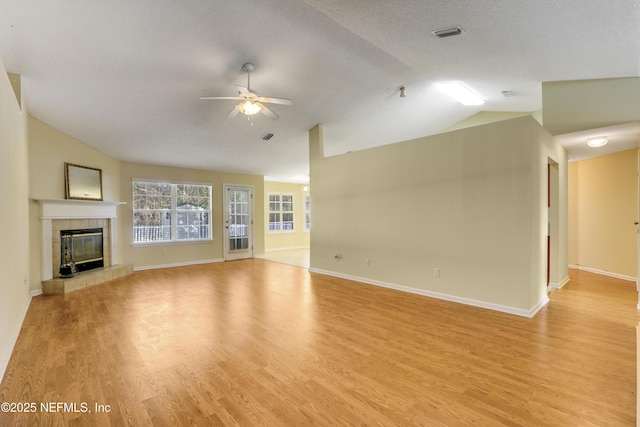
x=603, y=202
x=49, y=149
x=486, y=117
x=471, y=203
x=185, y=253
x=14, y=224
x=572, y=106
x=287, y=240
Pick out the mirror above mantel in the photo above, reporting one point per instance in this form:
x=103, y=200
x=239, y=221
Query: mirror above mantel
x=82, y=182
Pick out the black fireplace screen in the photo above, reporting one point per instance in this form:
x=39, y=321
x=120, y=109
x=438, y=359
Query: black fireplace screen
x=81, y=249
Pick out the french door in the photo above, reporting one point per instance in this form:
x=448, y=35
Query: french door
x=238, y=222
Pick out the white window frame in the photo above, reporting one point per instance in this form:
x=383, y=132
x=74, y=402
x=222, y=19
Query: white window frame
x=172, y=213
x=307, y=212
x=281, y=212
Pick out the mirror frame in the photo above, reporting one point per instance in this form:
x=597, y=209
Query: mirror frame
x=87, y=188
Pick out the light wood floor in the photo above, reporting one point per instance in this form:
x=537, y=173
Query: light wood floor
x=260, y=343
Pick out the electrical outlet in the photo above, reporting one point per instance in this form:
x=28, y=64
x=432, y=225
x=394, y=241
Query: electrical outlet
x=436, y=272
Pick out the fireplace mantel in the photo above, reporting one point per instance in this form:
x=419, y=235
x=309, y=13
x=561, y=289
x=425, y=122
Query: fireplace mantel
x=55, y=209
x=74, y=209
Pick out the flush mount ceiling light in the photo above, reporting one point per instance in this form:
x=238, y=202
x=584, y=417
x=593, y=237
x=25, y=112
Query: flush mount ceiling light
x=461, y=93
x=597, y=142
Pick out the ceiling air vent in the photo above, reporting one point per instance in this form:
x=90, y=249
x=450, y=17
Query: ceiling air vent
x=448, y=32
x=267, y=137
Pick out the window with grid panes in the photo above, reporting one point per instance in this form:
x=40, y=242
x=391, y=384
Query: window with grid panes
x=281, y=217
x=169, y=212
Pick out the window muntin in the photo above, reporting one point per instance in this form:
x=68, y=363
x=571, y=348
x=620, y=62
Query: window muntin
x=281, y=212
x=287, y=212
x=274, y=212
x=168, y=212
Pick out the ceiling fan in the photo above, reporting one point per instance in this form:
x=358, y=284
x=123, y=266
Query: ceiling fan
x=250, y=102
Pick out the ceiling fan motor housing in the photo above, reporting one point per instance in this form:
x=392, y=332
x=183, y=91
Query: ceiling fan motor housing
x=248, y=67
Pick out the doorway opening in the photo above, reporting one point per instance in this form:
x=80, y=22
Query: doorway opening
x=553, y=223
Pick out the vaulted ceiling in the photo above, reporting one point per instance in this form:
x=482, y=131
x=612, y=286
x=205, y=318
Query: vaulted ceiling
x=126, y=76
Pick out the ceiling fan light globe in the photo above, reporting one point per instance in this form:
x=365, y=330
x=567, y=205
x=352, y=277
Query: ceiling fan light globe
x=249, y=108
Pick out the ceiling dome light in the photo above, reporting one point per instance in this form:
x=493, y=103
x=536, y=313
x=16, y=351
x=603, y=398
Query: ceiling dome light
x=461, y=93
x=250, y=108
x=597, y=142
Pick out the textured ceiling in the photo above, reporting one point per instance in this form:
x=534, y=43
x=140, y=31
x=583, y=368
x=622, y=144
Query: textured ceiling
x=126, y=76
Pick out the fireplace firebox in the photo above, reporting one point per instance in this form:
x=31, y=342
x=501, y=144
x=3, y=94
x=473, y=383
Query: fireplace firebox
x=80, y=250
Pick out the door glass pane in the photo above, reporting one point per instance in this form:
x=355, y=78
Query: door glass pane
x=239, y=220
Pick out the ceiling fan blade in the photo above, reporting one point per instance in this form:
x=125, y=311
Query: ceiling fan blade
x=219, y=97
x=234, y=112
x=283, y=101
x=267, y=112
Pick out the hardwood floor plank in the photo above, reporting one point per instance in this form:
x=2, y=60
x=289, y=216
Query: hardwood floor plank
x=254, y=342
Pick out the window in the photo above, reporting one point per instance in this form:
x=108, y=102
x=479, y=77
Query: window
x=274, y=212
x=166, y=212
x=307, y=212
x=281, y=212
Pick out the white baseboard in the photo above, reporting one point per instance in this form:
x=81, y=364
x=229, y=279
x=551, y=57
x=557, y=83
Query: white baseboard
x=555, y=286
x=177, y=264
x=4, y=363
x=452, y=298
x=604, y=273
x=291, y=248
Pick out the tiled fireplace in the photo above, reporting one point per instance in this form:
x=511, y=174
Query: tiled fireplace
x=61, y=215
